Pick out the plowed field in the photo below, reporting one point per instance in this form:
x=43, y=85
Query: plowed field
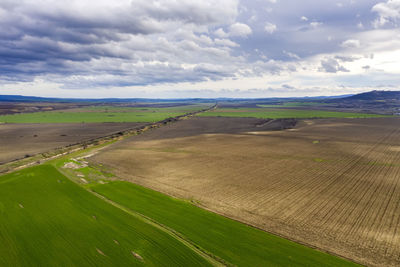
x=19, y=140
x=333, y=183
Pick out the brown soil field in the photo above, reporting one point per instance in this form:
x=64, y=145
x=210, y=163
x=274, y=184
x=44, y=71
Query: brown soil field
x=18, y=140
x=28, y=107
x=333, y=184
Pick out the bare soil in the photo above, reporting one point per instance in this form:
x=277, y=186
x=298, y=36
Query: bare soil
x=27, y=107
x=20, y=140
x=332, y=184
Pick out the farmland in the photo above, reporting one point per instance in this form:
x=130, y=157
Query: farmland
x=293, y=104
x=215, y=233
x=330, y=183
x=278, y=113
x=201, y=189
x=27, y=134
x=27, y=139
x=48, y=220
x=101, y=114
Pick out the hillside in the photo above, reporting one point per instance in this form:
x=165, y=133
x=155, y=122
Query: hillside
x=379, y=102
x=376, y=95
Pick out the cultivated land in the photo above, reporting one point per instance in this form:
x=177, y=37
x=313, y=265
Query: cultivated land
x=26, y=134
x=20, y=140
x=100, y=114
x=27, y=107
x=232, y=241
x=47, y=220
x=330, y=183
x=279, y=113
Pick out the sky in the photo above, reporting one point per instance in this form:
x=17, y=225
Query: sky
x=191, y=48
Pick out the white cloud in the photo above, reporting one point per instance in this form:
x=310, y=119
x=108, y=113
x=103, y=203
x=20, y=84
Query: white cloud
x=270, y=28
x=221, y=33
x=351, y=43
x=226, y=42
x=388, y=12
x=304, y=18
x=239, y=30
x=252, y=19
x=315, y=24
x=291, y=55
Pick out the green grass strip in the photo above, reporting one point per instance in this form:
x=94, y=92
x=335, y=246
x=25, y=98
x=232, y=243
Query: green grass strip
x=230, y=240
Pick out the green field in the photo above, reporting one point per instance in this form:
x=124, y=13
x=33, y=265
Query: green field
x=101, y=114
x=47, y=220
x=232, y=241
x=176, y=109
x=270, y=113
x=293, y=104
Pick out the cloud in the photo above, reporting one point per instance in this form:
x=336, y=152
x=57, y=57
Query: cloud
x=315, y=24
x=347, y=58
x=122, y=40
x=291, y=55
x=270, y=28
x=332, y=65
x=351, y=43
x=388, y=12
x=221, y=33
x=234, y=30
x=226, y=42
x=182, y=43
x=239, y=30
x=303, y=18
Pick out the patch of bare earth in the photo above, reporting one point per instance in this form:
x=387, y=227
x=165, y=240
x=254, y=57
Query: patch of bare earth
x=100, y=252
x=340, y=194
x=71, y=165
x=137, y=256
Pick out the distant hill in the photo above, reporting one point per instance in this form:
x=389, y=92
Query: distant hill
x=376, y=95
x=379, y=102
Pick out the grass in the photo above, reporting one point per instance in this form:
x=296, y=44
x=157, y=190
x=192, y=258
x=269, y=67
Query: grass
x=293, y=104
x=230, y=240
x=184, y=108
x=87, y=117
x=269, y=113
x=101, y=114
x=47, y=220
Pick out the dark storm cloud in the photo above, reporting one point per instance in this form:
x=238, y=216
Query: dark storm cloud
x=45, y=37
x=140, y=42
